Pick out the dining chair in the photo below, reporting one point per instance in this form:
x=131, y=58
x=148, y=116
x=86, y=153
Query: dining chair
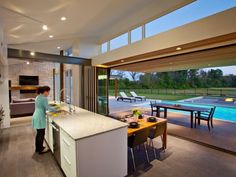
x=137, y=139
x=206, y=116
x=155, y=132
x=153, y=108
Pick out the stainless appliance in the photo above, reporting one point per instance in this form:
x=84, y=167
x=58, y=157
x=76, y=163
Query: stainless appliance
x=56, y=142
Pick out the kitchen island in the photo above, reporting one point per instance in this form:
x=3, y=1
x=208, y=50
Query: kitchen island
x=86, y=144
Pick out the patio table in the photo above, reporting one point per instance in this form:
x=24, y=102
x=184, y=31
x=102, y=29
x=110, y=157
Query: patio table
x=143, y=124
x=190, y=109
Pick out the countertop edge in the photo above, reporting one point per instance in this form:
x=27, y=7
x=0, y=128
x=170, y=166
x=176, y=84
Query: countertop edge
x=76, y=139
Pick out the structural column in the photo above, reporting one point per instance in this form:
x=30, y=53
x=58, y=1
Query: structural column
x=62, y=78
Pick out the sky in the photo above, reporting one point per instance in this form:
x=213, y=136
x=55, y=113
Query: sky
x=192, y=12
x=226, y=70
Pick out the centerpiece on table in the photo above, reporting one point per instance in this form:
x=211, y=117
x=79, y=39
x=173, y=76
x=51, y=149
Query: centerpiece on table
x=137, y=113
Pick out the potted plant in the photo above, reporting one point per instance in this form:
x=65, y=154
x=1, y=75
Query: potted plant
x=137, y=113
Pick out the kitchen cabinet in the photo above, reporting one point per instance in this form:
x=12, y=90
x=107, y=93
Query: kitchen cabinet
x=68, y=154
x=49, y=133
x=90, y=145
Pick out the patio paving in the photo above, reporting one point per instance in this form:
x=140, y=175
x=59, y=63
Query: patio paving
x=222, y=136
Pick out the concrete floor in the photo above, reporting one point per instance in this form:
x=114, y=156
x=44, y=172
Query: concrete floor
x=222, y=136
x=181, y=159
x=186, y=159
x=17, y=156
x=21, y=121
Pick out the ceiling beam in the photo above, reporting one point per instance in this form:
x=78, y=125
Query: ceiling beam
x=26, y=55
x=209, y=43
x=219, y=56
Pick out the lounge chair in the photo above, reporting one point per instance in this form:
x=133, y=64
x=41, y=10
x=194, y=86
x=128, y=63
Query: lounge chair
x=123, y=97
x=138, y=97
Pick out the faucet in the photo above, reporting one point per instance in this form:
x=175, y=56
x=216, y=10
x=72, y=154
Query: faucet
x=60, y=97
x=69, y=104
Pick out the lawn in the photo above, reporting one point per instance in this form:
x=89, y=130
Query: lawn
x=179, y=94
x=163, y=96
x=168, y=97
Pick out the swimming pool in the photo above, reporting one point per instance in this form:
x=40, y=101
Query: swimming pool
x=221, y=113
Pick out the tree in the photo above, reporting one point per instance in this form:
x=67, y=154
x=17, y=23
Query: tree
x=180, y=79
x=133, y=75
x=192, y=78
x=215, y=77
x=119, y=73
x=148, y=80
x=203, y=79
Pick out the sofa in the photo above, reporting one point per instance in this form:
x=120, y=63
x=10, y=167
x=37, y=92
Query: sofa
x=22, y=107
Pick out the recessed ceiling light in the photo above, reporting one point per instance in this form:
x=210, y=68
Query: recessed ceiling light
x=122, y=61
x=32, y=53
x=63, y=18
x=51, y=36
x=27, y=62
x=178, y=48
x=58, y=47
x=45, y=27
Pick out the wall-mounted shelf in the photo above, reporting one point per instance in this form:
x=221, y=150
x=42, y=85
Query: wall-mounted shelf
x=23, y=88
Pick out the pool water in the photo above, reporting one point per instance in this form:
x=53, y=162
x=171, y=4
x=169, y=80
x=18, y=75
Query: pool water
x=221, y=113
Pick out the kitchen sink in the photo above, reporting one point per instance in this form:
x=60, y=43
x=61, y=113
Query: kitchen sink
x=60, y=113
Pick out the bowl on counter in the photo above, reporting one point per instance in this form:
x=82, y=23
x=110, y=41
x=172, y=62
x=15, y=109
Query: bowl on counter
x=133, y=125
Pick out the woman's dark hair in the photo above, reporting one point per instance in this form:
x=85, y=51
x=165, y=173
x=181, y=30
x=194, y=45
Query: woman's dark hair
x=43, y=89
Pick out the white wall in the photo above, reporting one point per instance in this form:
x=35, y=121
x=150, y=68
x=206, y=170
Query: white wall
x=216, y=25
x=4, y=92
x=76, y=84
x=85, y=48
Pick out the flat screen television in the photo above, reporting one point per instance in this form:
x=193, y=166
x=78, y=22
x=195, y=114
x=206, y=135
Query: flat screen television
x=28, y=80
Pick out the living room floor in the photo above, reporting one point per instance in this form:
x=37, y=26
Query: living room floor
x=19, y=121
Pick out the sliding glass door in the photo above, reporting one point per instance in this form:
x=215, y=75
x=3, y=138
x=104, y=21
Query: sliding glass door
x=102, y=90
x=68, y=86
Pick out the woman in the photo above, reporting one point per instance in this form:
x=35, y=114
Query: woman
x=39, y=117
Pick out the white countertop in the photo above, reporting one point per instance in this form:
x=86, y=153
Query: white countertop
x=83, y=123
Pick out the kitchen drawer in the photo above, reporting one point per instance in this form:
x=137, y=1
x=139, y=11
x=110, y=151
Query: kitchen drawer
x=68, y=166
x=67, y=137
x=67, y=145
x=68, y=154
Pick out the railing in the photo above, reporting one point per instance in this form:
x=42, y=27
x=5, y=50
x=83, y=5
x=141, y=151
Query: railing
x=195, y=92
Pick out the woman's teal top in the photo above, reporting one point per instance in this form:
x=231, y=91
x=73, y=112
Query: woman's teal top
x=39, y=116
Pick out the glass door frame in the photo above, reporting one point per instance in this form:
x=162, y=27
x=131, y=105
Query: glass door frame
x=102, y=100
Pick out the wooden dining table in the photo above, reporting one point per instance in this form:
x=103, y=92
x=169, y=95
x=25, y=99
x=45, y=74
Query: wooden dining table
x=143, y=124
x=180, y=107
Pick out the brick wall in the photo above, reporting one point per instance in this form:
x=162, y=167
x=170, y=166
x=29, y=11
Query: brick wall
x=42, y=69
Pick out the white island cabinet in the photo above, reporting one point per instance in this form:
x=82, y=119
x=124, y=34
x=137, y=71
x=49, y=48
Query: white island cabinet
x=49, y=133
x=91, y=145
